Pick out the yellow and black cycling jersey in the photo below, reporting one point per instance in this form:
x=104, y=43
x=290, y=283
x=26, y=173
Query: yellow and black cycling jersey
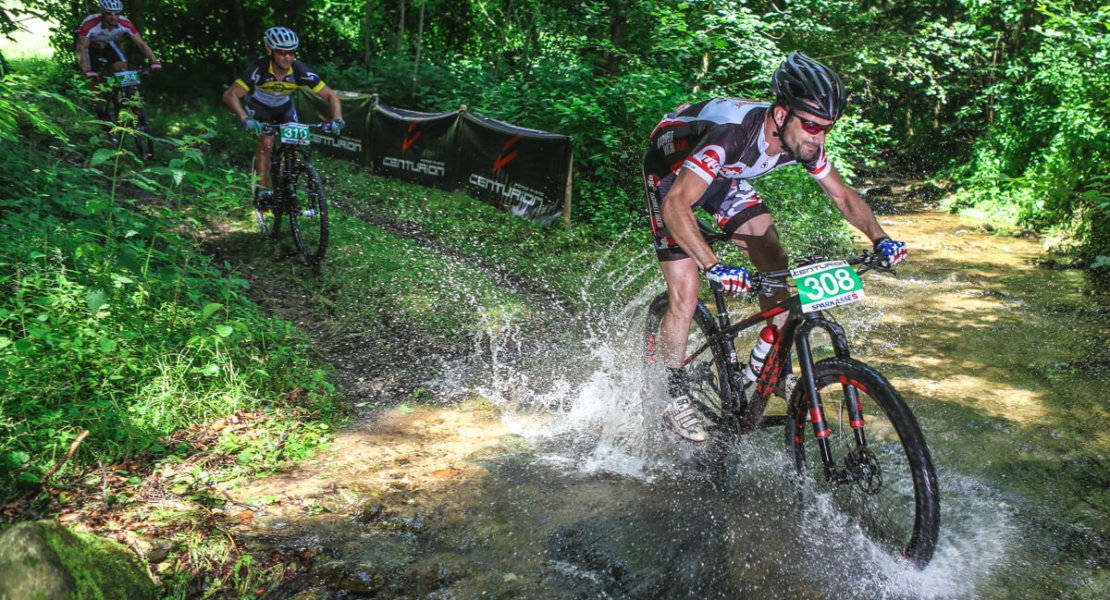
x=265, y=88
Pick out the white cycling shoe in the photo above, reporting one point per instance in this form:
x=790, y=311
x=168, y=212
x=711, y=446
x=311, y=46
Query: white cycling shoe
x=681, y=418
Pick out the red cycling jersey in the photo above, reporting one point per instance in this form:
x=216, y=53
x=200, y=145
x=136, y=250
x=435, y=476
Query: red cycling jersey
x=100, y=35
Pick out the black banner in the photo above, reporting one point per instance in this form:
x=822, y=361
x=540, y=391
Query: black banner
x=414, y=146
x=523, y=169
x=352, y=142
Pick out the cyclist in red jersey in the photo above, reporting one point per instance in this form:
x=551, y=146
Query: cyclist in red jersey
x=703, y=155
x=96, y=43
x=97, y=36
x=268, y=85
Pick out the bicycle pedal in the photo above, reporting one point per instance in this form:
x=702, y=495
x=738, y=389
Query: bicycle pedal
x=308, y=213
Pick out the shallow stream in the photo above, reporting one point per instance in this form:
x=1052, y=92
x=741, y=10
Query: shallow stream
x=537, y=478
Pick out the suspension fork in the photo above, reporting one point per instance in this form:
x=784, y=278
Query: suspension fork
x=814, y=406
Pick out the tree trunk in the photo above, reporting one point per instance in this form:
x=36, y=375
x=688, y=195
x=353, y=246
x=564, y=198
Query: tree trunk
x=419, y=41
x=401, y=31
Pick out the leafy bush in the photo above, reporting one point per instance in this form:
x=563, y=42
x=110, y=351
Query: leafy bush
x=114, y=322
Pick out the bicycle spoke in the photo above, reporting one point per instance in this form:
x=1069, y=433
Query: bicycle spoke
x=309, y=213
x=888, y=486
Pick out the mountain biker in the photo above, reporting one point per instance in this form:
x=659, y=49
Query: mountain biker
x=268, y=84
x=96, y=43
x=703, y=155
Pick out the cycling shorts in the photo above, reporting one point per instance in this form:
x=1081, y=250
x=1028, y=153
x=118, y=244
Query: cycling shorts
x=286, y=113
x=731, y=202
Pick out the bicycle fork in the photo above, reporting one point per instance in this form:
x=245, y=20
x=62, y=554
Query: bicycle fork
x=861, y=467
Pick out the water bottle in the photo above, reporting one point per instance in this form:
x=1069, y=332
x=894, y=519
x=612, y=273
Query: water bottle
x=767, y=338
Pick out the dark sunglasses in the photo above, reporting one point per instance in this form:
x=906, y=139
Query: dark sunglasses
x=813, y=128
x=285, y=52
x=108, y=13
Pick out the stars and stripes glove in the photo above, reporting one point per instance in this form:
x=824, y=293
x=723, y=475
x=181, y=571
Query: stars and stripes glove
x=728, y=279
x=895, y=252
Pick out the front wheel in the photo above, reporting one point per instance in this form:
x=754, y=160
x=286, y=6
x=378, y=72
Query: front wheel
x=882, y=475
x=308, y=213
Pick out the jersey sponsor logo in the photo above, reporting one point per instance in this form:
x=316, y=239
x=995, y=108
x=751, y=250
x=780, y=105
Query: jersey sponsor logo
x=708, y=160
x=279, y=87
x=433, y=168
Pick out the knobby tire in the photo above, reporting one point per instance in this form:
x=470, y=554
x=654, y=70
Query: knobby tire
x=896, y=505
x=308, y=213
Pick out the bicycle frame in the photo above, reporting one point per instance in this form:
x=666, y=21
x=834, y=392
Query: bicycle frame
x=795, y=334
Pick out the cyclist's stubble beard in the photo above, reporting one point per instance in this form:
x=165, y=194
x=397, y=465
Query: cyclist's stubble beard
x=804, y=147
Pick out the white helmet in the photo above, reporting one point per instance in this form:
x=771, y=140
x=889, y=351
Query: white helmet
x=280, y=38
x=111, y=5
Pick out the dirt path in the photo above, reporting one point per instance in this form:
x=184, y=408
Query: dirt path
x=1003, y=361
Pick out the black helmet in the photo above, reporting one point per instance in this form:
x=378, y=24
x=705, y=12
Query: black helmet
x=800, y=78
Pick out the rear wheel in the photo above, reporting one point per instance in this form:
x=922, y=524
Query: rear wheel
x=704, y=365
x=143, y=140
x=887, y=484
x=309, y=212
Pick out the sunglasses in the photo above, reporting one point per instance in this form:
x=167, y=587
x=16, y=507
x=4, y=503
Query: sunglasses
x=813, y=128
x=108, y=13
x=285, y=52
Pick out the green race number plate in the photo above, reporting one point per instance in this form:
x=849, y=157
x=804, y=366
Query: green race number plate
x=295, y=133
x=128, y=78
x=828, y=284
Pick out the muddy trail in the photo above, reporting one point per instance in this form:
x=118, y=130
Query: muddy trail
x=527, y=473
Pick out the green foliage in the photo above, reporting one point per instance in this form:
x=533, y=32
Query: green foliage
x=114, y=322
x=1041, y=162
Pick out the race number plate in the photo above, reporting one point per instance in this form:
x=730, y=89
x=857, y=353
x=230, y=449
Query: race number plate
x=295, y=133
x=128, y=78
x=828, y=284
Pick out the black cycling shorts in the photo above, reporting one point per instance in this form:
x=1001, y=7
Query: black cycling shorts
x=286, y=113
x=732, y=202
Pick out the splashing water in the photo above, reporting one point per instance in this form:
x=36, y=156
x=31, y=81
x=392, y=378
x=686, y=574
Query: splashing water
x=755, y=532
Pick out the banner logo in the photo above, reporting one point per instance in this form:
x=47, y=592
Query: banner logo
x=343, y=142
x=432, y=168
x=505, y=157
x=412, y=135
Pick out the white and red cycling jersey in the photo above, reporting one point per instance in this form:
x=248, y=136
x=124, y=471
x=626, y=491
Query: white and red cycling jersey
x=100, y=35
x=721, y=141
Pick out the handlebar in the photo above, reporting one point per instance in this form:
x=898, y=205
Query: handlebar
x=766, y=283
x=272, y=128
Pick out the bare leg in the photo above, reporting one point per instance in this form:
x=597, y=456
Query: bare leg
x=262, y=160
x=759, y=239
x=683, y=285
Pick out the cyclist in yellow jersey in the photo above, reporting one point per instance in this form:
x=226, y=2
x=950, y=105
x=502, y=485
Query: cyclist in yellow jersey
x=268, y=85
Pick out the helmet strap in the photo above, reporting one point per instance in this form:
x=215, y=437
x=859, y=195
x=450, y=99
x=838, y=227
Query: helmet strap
x=789, y=113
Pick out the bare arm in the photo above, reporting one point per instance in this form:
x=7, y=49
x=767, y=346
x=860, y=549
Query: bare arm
x=233, y=98
x=849, y=203
x=333, y=100
x=143, y=47
x=678, y=214
x=83, y=53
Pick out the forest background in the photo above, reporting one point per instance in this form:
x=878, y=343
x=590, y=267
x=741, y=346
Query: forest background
x=121, y=323
x=1007, y=100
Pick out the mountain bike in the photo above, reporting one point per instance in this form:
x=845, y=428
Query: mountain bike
x=124, y=108
x=866, y=450
x=298, y=191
